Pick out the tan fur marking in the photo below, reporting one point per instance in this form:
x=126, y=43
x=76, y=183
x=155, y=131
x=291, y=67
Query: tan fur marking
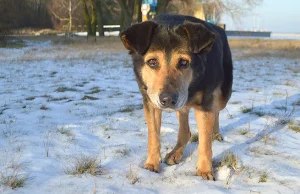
x=126, y=42
x=153, y=119
x=167, y=77
x=196, y=101
x=220, y=103
x=184, y=135
x=205, y=122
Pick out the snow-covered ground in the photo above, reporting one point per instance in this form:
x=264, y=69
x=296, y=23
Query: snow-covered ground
x=61, y=104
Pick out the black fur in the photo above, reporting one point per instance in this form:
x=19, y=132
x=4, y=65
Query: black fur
x=211, y=56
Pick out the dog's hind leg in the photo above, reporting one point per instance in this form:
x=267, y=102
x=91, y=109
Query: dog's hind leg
x=184, y=135
x=153, y=119
x=216, y=131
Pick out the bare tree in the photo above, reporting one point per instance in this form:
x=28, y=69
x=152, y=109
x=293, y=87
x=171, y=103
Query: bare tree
x=234, y=8
x=93, y=15
x=127, y=9
x=64, y=11
x=99, y=5
x=86, y=17
x=130, y=11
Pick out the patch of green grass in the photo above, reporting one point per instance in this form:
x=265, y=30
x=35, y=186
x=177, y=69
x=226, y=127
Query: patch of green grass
x=263, y=177
x=194, y=137
x=245, y=109
x=9, y=43
x=65, y=89
x=243, y=131
x=30, y=98
x=235, y=102
x=85, y=164
x=53, y=73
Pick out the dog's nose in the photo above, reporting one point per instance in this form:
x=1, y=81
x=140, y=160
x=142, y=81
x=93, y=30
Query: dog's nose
x=168, y=99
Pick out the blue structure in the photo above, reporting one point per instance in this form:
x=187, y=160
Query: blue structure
x=152, y=3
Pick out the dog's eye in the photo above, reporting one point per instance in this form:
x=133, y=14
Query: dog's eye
x=152, y=63
x=183, y=64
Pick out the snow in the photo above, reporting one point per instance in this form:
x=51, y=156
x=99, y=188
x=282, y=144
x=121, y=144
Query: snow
x=114, y=122
x=106, y=33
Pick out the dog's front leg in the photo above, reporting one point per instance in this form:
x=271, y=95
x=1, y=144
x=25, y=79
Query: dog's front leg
x=184, y=135
x=205, y=122
x=153, y=119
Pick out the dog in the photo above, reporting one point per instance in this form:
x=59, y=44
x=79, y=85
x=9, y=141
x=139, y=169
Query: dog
x=181, y=62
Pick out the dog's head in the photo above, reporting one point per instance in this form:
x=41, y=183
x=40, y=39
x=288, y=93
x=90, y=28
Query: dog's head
x=164, y=57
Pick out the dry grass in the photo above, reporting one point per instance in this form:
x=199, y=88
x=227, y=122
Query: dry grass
x=65, y=132
x=229, y=160
x=245, y=109
x=278, y=45
x=65, y=89
x=132, y=175
x=89, y=98
x=266, y=48
x=44, y=107
x=294, y=126
x=14, y=180
x=123, y=152
x=13, y=175
x=94, y=90
x=30, y=98
x=85, y=164
x=243, y=131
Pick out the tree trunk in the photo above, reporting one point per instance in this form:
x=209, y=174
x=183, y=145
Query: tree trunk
x=127, y=11
x=70, y=16
x=93, y=18
x=86, y=17
x=99, y=18
x=161, y=6
x=137, y=7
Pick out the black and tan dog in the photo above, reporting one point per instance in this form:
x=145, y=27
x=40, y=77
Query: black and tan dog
x=180, y=63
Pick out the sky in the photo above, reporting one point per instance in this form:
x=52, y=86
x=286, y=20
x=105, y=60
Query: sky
x=281, y=16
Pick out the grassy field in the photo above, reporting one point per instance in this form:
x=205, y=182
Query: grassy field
x=71, y=121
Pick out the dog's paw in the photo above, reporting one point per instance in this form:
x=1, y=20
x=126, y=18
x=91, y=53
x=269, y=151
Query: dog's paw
x=217, y=136
x=153, y=163
x=152, y=167
x=173, y=158
x=206, y=175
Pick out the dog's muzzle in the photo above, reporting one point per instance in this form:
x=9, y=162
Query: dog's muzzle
x=168, y=100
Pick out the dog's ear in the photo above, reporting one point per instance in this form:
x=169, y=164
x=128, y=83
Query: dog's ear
x=201, y=39
x=138, y=36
